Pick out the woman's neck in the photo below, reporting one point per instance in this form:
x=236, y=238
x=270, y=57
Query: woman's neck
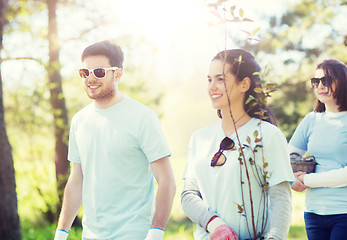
x=229, y=123
x=332, y=107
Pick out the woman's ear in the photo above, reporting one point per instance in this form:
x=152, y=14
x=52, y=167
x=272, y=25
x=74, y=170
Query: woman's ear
x=245, y=84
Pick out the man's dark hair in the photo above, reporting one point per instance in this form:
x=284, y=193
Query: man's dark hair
x=105, y=48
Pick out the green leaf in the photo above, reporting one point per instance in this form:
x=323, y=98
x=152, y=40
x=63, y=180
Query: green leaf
x=248, y=140
x=232, y=9
x=247, y=20
x=258, y=90
x=241, y=12
x=255, y=31
x=239, y=207
x=255, y=133
x=270, y=85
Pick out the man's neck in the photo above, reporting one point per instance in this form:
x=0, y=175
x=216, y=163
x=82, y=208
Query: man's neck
x=102, y=104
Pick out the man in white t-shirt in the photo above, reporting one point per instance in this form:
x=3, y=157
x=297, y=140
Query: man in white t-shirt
x=116, y=146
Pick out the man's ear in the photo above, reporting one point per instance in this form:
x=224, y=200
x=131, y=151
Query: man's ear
x=245, y=84
x=118, y=73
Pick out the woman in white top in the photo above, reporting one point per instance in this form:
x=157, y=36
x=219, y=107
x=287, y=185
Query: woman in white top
x=238, y=171
x=323, y=133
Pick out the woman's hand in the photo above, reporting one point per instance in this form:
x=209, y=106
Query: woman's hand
x=224, y=232
x=299, y=185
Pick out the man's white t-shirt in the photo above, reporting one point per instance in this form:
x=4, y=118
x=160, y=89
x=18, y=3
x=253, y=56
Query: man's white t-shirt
x=115, y=147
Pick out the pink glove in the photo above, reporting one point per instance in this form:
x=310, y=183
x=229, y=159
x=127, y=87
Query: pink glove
x=224, y=232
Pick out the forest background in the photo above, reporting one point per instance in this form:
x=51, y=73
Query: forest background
x=168, y=46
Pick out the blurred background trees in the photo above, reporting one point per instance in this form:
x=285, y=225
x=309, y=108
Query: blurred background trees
x=37, y=116
x=43, y=41
x=306, y=34
x=9, y=220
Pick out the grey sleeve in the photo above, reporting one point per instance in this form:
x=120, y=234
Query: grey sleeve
x=193, y=205
x=280, y=197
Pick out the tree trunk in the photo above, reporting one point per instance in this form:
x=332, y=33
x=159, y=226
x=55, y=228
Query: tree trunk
x=57, y=102
x=9, y=219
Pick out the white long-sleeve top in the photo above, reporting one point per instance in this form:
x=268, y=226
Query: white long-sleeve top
x=333, y=178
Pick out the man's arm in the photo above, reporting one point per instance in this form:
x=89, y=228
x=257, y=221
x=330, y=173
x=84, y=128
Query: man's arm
x=166, y=191
x=72, y=198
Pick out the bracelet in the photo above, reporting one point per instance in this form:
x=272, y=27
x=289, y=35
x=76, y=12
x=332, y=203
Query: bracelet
x=157, y=228
x=63, y=230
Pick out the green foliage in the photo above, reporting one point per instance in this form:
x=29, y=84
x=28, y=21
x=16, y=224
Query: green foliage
x=31, y=136
x=299, y=33
x=45, y=231
x=29, y=115
x=290, y=108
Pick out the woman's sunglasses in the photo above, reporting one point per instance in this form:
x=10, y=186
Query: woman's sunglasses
x=219, y=158
x=315, y=82
x=99, y=73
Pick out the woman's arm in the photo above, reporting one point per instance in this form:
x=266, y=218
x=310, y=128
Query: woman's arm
x=193, y=204
x=280, y=211
x=333, y=178
x=298, y=184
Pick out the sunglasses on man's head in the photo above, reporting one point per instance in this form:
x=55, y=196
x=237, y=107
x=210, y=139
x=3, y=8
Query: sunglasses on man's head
x=219, y=158
x=315, y=82
x=97, y=72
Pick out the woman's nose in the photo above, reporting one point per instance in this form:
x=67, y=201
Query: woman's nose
x=212, y=85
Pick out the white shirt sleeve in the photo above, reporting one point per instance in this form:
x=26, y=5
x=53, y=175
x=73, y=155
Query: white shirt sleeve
x=333, y=178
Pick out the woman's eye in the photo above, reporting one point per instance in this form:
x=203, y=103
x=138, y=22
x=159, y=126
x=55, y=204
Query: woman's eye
x=220, y=79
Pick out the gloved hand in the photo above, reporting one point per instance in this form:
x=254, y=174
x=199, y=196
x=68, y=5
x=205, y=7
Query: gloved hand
x=155, y=234
x=224, y=232
x=61, y=234
x=220, y=230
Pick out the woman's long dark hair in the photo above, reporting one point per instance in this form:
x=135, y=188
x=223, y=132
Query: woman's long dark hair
x=247, y=67
x=335, y=72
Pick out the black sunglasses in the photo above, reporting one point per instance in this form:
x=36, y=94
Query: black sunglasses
x=219, y=158
x=315, y=82
x=99, y=73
